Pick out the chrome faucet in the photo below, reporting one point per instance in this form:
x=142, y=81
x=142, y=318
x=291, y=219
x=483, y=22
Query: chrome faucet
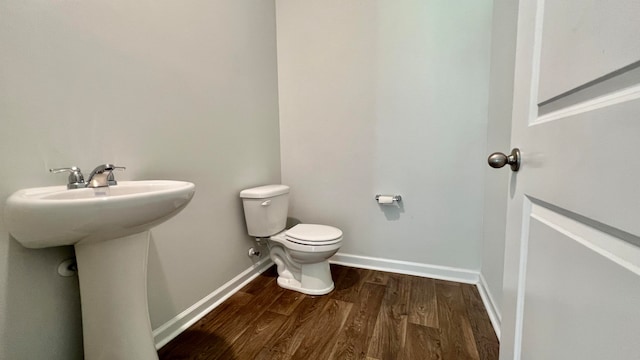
x=102, y=176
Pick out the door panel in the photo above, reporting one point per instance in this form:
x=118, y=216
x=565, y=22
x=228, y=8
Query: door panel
x=585, y=161
x=581, y=290
x=585, y=40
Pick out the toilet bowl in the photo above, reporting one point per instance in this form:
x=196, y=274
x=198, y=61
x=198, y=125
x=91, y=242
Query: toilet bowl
x=302, y=259
x=300, y=253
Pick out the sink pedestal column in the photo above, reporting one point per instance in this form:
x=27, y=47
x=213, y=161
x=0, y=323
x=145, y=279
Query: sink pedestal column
x=113, y=293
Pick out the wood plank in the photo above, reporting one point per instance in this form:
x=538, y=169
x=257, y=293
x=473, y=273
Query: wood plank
x=225, y=312
x=287, y=302
x=423, y=306
x=483, y=333
x=389, y=333
x=353, y=340
x=457, y=342
x=300, y=321
x=376, y=277
x=422, y=343
x=268, y=354
x=348, y=285
x=320, y=339
x=250, y=343
x=189, y=342
x=446, y=282
x=227, y=333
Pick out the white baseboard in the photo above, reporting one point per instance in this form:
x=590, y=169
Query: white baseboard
x=490, y=305
x=405, y=267
x=172, y=328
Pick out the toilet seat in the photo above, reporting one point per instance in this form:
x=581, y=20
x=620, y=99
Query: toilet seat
x=313, y=234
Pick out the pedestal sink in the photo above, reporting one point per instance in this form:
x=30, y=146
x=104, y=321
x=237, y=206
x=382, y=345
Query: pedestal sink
x=109, y=228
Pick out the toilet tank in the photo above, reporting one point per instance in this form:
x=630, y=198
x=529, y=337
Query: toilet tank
x=265, y=209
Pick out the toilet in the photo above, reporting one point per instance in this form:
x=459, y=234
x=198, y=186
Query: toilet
x=300, y=253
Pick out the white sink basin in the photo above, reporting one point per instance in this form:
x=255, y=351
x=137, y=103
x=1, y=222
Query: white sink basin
x=55, y=216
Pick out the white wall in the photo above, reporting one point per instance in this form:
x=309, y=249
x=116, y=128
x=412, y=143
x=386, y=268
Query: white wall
x=387, y=97
x=503, y=41
x=172, y=90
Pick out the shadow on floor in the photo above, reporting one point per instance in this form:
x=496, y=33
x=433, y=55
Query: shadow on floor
x=196, y=344
x=344, y=277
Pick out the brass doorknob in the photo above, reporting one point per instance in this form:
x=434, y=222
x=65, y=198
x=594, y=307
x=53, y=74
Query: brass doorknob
x=498, y=159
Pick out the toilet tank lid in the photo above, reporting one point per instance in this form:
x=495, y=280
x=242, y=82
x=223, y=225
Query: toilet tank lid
x=265, y=191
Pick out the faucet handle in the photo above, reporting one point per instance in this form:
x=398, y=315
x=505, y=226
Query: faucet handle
x=76, y=179
x=111, y=180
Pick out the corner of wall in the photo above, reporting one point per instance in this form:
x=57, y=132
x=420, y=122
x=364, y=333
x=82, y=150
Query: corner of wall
x=489, y=303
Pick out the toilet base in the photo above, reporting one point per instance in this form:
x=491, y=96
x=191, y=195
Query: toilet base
x=293, y=284
x=308, y=278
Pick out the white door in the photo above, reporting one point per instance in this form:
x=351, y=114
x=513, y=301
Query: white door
x=572, y=260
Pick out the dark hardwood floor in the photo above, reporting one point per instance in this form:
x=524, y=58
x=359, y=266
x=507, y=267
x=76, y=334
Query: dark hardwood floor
x=370, y=315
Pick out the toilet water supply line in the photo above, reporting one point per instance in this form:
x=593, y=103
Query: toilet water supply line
x=256, y=253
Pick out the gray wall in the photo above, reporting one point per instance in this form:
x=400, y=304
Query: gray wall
x=387, y=97
x=183, y=90
x=503, y=45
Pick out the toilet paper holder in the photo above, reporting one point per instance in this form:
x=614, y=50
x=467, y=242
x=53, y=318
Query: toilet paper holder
x=396, y=198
